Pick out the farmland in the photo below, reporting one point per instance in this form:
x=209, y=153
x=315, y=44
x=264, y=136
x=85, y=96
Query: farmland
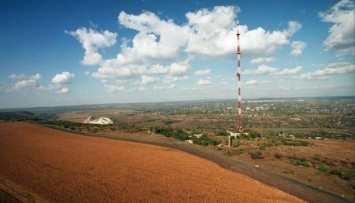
x=63, y=167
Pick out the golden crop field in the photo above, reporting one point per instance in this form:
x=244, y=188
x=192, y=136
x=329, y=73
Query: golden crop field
x=64, y=167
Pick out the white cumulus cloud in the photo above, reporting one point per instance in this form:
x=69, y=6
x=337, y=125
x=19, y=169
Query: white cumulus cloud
x=25, y=81
x=212, y=31
x=178, y=69
x=17, y=76
x=174, y=69
x=297, y=47
x=262, y=60
x=50, y=87
x=114, y=88
x=91, y=41
x=262, y=70
x=203, y=72
x=213, y=34
x=342, y=33
x=202, y=82
x=63, y=90
x=251, y=82
x=63, y=78
x=25, y=84
x=288, y=71
x=256, y=82
x=158, y=69
x=331, y=69
x=208, y=33
x=260, y=41
x=173, y=79
x=37, y=76
x=171, y=86
x=145, y=80
x=156, y=38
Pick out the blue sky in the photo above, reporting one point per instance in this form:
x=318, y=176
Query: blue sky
x=55, y=53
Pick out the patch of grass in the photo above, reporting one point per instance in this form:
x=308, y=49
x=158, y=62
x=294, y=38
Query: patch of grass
x=235, y=152
x=295, y=142
x=262, y=147
x=288, y=171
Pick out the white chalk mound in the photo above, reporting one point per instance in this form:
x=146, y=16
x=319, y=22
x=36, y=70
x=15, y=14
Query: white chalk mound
x=101, y=120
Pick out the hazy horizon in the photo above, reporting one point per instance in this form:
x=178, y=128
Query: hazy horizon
x=181, y=101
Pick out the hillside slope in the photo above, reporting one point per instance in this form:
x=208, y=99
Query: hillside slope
x=65, y=167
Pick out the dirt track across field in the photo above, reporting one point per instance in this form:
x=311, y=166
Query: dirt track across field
x=57, y=166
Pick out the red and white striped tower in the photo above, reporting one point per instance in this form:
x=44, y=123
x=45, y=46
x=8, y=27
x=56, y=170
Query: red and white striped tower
x=240, y=128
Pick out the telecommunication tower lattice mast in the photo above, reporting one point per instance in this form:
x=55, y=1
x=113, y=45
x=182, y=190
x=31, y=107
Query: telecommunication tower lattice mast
x=240, y=127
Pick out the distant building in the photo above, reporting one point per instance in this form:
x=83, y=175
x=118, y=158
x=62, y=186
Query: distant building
x=197, y=135
x=100, y=121
x=232, y=134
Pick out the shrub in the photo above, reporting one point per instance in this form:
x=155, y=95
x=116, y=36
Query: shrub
x=306, y=164
x=342, y=174
x=278, y=156
x=323, y=168
x=237, y=144
x=229, y=153
x=336, y=171
x=303, y=162
x=303, y=159
x=204, y=140
x=345, y=176
x=255, y=156
x=317, y=157
x=352, y=174
x=238, y=152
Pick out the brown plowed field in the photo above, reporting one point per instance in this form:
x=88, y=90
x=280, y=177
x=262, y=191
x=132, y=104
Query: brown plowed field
x=63, y=167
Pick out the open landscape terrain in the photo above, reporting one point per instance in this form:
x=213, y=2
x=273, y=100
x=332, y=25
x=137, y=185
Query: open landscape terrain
x=57, y=166
x=177, y=101
x=307, y=140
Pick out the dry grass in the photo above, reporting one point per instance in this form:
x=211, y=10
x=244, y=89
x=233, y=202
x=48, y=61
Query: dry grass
x=64, y=167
